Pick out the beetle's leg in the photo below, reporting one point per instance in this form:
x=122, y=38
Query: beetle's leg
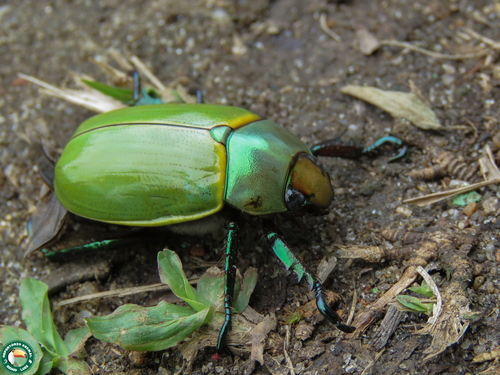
x=137, y=93
x=199, y=97
x=291, y=260
x=394, y=140
x=87, y=248
x=143, y=96
x=229, y=279
x=336, y=148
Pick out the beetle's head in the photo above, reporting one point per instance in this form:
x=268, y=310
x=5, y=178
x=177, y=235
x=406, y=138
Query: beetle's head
x=309, y=185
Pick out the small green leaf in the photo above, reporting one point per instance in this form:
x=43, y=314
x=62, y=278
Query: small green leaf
x=46, y=364
x=423, y=289
x=38, y=317
x=472, y=315
x=123, y=95
x=211, y=286
x=8, y=334
x=415, y=305
x=295, y=317
x=61, y=363
x=172, y=274
x=247, y=287
x=466, y=198
x=75, y=341
x=148, y=328
x=78, y=367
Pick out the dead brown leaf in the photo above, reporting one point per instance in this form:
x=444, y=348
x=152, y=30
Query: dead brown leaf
x=399, y=104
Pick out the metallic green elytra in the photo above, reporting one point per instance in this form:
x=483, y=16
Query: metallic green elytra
x=165, y=164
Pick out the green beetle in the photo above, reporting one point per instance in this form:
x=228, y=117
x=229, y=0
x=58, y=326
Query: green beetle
x=167, y=164
x=190, y=167
x=180, y=164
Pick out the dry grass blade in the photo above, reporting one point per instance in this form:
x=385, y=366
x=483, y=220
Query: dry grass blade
x=399, y=104
x=110, y=70
x=436, y=197
x=118, y=293
x=93, y=100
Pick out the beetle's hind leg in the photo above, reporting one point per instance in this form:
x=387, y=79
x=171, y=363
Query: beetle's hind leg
x=291, y=260
x=229, y=279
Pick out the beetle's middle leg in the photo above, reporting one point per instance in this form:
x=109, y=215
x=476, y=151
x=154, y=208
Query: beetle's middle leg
x=229, y=279
x=291, y=260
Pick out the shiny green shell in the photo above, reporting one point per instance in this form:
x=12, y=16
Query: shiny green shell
x=171, y=163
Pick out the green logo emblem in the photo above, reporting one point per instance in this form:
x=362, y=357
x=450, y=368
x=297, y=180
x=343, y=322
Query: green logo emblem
x=17, y=356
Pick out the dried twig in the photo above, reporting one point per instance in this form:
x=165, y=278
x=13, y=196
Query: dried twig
x=326, y=29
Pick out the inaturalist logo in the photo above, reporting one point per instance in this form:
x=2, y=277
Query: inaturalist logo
x=17, y=356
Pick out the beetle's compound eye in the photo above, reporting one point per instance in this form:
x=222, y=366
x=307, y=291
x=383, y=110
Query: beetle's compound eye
x=310, y=179
x=294, y=199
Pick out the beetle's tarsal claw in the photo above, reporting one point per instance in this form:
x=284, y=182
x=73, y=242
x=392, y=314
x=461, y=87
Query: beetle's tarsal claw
x=403, y=152
x=327, y=312
x=221, y=342
x=393, y=140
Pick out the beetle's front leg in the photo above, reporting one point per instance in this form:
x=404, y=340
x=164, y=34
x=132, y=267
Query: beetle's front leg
x=291, y=260
x=229, y=279
x=335, y=148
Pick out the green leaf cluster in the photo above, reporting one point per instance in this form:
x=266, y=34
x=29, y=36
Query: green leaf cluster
x=414, y=304
x=160, y=327
x=51, y=351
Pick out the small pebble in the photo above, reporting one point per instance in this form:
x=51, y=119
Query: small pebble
x=220, y=16
x=490, y=288
x=447, y=79
x=463, y=224
x=466, y=344
x=404, y=211
x=478, y=269
x=478, y=281
x=470, y=209
x=490, y=205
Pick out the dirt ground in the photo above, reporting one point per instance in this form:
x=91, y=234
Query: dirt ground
x=275, y=59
